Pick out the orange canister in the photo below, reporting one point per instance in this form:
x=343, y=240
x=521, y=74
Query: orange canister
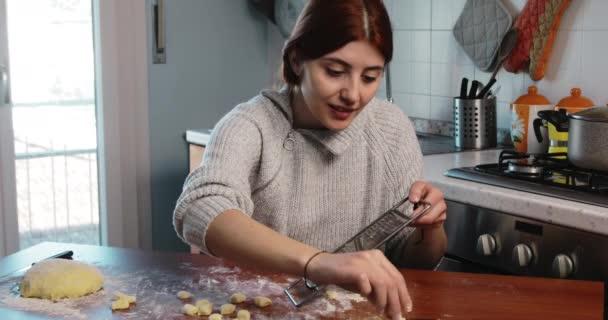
x=571, y=104
x=523, y=113
x=575, y=102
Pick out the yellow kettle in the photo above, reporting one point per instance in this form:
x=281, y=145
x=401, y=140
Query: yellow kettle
x=558, y=120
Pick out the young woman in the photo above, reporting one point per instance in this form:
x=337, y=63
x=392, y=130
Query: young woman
x=293, y=173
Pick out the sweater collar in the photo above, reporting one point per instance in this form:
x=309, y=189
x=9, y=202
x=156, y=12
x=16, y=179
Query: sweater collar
x=336, y=142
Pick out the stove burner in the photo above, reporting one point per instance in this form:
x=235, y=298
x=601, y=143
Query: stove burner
x=529, y=166
x=547, y=169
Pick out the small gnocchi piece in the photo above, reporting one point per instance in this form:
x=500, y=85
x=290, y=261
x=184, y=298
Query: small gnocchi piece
x=189, y=309
x=120, y=304
x=119, y=295
x=262, y=301
x=216, y=316
x=227, y=308
x=204, y=309
x=243, y=315
x=237, y=298
x=201, y=302
x=331, y=294
x=184, y=295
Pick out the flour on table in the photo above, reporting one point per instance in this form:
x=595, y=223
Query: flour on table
x=65, y=308
x=155, y=290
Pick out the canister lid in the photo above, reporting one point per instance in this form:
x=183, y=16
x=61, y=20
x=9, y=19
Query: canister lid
x=532, y=97
x=597, y=114
x=574, y=101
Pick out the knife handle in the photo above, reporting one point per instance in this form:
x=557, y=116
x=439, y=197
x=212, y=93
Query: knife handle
x=62, y=255
x=463, y=88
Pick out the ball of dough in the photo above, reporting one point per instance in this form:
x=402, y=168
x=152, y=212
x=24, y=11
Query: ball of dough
x=262, y=301
x=184, y=295
x=120, y=304
x=243, y=315
x=119, y=295
x=237, y=298
x=227, y=308
x=215, y=316
x=60, y=278
x=189, y=309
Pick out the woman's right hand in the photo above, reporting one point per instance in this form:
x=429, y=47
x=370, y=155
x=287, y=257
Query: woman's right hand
x=367, y=272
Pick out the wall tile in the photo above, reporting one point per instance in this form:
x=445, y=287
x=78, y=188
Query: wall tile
x=503, y=115
x=594, y=66
x=442, y=109
x=441, y=15
x=420, y=106
x=402, y=47
x=403, y=101
x=421, y=78
x=595, y=15
x=401, y=75
x=446, y=78
x=412, y=14
x=444, y=13
x=421, y=46
x=441, y=80
x=445, y=49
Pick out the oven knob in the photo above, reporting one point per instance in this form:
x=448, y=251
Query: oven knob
x=486, y=245
x=522, y=255
x=563, y=266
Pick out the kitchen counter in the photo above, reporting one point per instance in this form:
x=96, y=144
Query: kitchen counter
x=440, y=154
x=156, y=277
x=548, y=209
x=429, y=143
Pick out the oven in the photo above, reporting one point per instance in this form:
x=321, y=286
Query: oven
x=489, y=241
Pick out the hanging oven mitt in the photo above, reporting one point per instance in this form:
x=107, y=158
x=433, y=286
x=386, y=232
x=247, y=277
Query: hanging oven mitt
x=537, y=25
x=480, y=29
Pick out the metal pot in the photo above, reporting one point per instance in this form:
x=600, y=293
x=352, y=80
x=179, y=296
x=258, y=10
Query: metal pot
x=587, y=141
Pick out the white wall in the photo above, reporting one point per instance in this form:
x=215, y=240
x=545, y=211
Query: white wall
x=429, y=64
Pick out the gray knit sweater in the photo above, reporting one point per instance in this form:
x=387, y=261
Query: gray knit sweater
x=315, y=186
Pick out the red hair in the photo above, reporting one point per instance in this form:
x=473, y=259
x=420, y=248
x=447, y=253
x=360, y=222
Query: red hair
x=325, y=26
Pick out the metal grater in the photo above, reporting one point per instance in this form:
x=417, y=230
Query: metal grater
x=371, y=237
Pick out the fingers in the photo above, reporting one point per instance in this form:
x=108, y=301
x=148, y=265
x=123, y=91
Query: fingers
x=365, y=287
x=392, y=297
x=418, y=191
x=437, y=213
x=380, y=295
x=373, y=276
x=399, y=301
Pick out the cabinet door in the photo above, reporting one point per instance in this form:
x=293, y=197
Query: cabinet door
x=196, y=156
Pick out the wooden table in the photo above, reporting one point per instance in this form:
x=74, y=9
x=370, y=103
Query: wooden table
x=155, y=277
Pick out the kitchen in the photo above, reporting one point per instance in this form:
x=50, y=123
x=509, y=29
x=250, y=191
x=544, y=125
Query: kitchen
x=425, y=75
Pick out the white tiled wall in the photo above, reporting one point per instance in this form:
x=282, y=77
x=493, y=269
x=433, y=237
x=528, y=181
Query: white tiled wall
x=428, y=64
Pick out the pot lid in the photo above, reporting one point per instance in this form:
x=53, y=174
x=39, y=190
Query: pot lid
x=532, y=97
x=597, y=114
x=575, y=100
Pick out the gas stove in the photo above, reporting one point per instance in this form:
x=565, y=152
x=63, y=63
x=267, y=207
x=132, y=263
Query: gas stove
x=547, y=174
x=490, y=241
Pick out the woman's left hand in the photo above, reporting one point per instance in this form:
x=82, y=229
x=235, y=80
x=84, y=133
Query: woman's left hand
x=436, y=216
